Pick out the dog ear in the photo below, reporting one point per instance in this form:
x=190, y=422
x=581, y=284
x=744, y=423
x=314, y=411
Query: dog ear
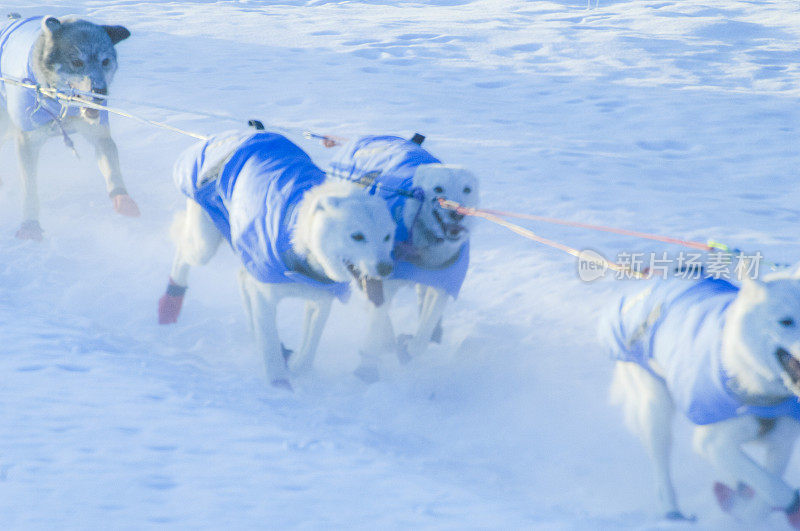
x=329, y=203
x=117, y=33
x=50, y=24
x=752, y=287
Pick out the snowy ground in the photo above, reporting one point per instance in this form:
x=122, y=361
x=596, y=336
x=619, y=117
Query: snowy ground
x=666, y=116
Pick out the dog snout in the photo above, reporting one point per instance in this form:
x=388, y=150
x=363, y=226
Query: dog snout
x=103, y=91
x=455, y=216
x=385, y=268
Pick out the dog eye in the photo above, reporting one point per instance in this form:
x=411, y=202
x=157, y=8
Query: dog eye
x=787, y=322
x=106, y=62
x=467, y=190
x=438, y=189
x=386, y=238
x=77, y=63
x=357, y=236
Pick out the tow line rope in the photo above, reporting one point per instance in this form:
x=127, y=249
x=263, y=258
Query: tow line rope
x=522, y=231
x=88, y=100
x=711, y=246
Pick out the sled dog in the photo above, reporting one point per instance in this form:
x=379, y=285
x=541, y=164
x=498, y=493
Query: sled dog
x=431, y=243
x=60, y=54
x=296, y=234
x=728, y=358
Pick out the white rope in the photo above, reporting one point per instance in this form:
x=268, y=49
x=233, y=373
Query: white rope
x=80, y=101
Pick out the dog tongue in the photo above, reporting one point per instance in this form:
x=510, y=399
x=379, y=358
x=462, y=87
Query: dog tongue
x=374, y=290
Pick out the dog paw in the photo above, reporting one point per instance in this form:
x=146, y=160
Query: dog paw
x=367, y=373
x=741, y=503
x=436, y=336
x=124, y=205
x=793, y=512
x=169, y=306
x=403, y=355
x=30, y=230
x=677, y=516
x=283, y=384
x=728, y=499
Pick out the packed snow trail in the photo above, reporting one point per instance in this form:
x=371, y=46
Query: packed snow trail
x=670, y=117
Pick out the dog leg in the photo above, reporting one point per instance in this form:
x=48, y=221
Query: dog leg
x=432, y=304
x=436, y=336
x=5, y=129
x=380, y=338
x=721, y=443
x=779, y=443
x=261, y=305
x=28, y=147
x=317, y=312
x=649, y=410
x=197, y=241
x=107, y=157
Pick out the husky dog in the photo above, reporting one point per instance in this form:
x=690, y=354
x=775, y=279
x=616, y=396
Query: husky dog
x=59, y=54
x=431, y=244
x=729, y=359
x=296, y=235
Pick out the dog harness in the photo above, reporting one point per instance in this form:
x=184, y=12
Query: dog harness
x=674, y=330
x=250, y=184
x=28, y=109
x=385, y=165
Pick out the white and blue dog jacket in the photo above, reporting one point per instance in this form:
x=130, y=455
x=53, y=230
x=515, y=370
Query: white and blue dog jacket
x=251, y=184
x=677, y=325
x=386, y=166
x=27, y=109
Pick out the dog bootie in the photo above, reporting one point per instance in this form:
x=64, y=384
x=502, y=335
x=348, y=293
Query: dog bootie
x=793, y=512
x=742, y=503
x=124, y=205
x=728, y=499
x=30, y=230
x=169, y=305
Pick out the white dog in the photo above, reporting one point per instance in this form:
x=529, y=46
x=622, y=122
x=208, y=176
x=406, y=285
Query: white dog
x=58, y=54
x=728, y=359
x=431, y=244
x=296, y=235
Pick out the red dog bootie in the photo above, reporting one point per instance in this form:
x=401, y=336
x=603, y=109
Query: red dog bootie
x=123, y=204
x=169, y=305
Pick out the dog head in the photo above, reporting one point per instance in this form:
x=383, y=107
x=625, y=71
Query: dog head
x=763, y=329
x=443, y=181
x=346, y=231
x=78, y=54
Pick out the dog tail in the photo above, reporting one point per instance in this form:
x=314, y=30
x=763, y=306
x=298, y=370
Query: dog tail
x=178, y=224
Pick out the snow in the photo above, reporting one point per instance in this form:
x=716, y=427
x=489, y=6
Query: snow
x=673, y=117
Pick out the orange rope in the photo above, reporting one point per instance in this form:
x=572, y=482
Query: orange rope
x=555, y=221
x=522, y=231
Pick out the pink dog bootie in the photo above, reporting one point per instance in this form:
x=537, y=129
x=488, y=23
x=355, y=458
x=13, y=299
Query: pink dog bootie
x=169, y=305
x=123, y=204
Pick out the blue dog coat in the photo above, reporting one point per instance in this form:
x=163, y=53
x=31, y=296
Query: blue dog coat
x=250, y=184
x=386, y=166
x=27, y=109
x=677, y=325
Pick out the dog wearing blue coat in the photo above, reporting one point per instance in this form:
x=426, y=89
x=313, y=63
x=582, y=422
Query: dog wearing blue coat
x=728, y=359
x=296, y=234
x=61, y=54
x=431, y=249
